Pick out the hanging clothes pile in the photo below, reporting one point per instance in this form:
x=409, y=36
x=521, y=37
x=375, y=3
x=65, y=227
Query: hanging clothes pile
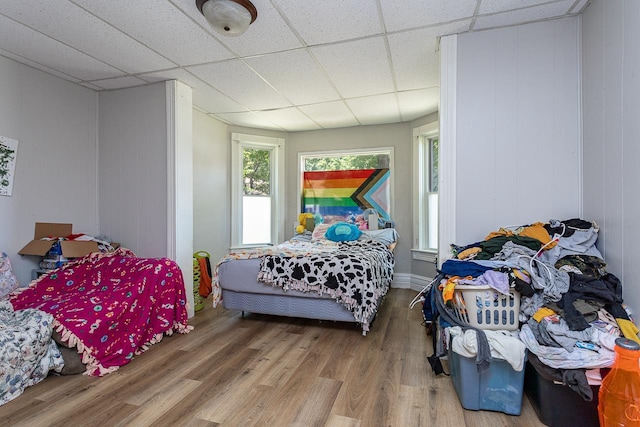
x=570, y=306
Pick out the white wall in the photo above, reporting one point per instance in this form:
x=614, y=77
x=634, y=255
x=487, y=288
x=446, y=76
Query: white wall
x=179, y=105
x=212, y=178
x=611, y=133
x=54, y=122
x=518, y=127
x=144, y=147
x=399, y=136
x=211, y=186
x=133, y=168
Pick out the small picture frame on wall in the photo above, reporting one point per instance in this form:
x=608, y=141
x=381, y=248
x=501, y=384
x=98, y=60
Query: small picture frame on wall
x=8, y=154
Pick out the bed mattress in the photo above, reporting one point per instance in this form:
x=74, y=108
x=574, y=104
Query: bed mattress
x=242, y=291
x=241, y=275
x=320, y=279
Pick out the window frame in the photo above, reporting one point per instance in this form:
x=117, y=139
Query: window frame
x=349, y=152
x=422, y=137
x=240, y=141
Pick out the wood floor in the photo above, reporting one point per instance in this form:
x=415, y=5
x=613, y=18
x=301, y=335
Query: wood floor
x=267, y=371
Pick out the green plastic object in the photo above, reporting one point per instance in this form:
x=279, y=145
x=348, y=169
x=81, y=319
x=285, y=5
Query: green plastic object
x=198, y=301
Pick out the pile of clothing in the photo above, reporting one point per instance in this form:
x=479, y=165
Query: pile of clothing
x=571, y=307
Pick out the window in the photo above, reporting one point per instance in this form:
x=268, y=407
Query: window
x=342, y=185
x=257, y=171
x=425, y=212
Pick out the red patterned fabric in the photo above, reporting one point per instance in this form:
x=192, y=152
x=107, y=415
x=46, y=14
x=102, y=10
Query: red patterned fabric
x=111, y=306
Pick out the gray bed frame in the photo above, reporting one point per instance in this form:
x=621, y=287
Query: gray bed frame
x=242, y=291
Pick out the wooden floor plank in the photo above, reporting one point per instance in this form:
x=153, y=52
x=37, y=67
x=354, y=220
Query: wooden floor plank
x=383, y=406
x=344, y=351
x=285, y=366
x=412, y=411
x=284, y=403
x=340, y=421
x=261, y=370
x=196, y=402
x=163, y=400
x=357, y=391
x=251, y=407
x=316, y=407
x=230, y=398
x=113, y=414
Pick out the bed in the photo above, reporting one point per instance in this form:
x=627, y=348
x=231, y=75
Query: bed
x=104, y=308
x=308, y=277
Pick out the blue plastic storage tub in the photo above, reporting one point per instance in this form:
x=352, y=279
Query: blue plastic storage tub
x=499, y=388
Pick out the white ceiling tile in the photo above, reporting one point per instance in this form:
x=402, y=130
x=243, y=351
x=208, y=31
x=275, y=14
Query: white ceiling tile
x=416, y=63
x=418, y=103
x=91, y=86
x=417, y=13
x=195, y=107
x=162, y=27
x=377, y=109
x=76, y=27
x=40, y=67
x=118, y=43
x=291, y=119
x=249, y=119
x=357, y=68
x=331, y=20
x=497, y=6
x=160, y=76
x=213, y=101
x=521, y=16
x=15, y=37
x=204, y=96
x=269, y=33
x=579, y=6
x=120, y=82
x=330, y=114
x=296, y=75
x=240, y=83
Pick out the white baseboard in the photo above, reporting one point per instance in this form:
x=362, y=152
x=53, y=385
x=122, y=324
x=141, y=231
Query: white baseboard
x=410, y=281
x=401, y=281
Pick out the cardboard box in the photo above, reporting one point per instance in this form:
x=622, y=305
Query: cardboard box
x=70, y=248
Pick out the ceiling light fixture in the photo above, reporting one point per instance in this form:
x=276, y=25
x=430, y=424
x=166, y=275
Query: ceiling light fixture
x=228, y=17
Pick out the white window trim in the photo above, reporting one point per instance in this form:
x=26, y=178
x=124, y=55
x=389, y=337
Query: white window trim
x=427, y=131
x=350, y=152
x=424, y=255
x=238, y=141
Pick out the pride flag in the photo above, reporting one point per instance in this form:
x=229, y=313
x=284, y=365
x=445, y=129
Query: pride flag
x=347, y=192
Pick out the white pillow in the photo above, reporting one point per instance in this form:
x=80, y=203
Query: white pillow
x=387, y=236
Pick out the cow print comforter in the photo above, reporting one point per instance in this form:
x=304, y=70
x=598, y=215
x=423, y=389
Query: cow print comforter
x=357, y=275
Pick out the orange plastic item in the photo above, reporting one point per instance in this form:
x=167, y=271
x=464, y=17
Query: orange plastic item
x=619, y=395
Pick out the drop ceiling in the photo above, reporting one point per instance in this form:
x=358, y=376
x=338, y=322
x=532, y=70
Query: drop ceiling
x=302, y=65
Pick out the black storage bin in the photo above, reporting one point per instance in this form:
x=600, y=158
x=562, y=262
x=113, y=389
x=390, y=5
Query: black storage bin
x=557, y=405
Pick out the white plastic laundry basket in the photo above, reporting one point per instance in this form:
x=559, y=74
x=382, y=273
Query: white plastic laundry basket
x=485, y=308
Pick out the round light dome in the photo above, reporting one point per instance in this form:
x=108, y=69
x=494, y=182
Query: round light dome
x=228, y=17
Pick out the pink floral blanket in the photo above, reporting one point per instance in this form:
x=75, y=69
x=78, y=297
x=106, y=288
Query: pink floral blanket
x=110, y=306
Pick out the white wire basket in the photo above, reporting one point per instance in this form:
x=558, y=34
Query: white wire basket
x=485, y=308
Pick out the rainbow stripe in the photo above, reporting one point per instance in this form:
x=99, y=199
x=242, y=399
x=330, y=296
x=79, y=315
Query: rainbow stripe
x=347, y=192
